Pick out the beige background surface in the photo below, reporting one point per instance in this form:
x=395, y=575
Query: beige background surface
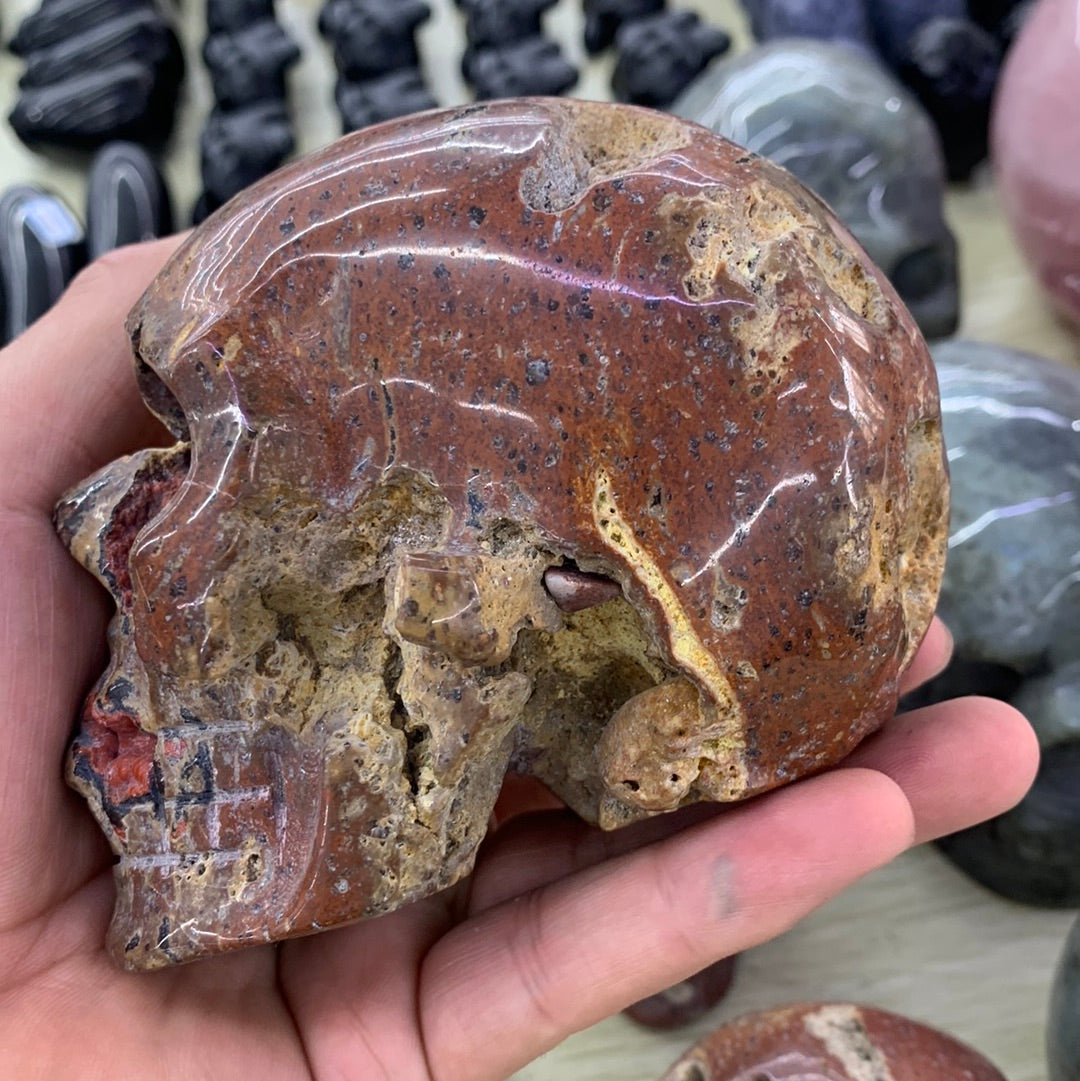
x=916, y=937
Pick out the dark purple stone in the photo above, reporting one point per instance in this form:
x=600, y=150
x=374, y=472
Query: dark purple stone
x=828, y=20
x=522, y=69
x=685, y=1002
x=140, y=35
x=496, y=23
x=373, y=37
x=250, y=65
x=231, y=16
x=239, y=147
x=604, y=17
x=58, y=20
x=894, y=23
x=85, y=111
x=1003, y=18
x=372, y=101
x=661, y=55
x=952, y=66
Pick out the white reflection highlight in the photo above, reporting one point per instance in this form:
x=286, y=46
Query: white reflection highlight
x=994, y=407
x=843, y=469
x=494, y=409
x=798, y=480
x=1016, y=510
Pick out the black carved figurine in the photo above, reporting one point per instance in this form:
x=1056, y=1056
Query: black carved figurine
x=660, y=55
x=604, y=17
x=126, y=199
x=231, y=16
x=373, y=37
x=239, y=147
x=96, y=70
x=536, y=66
x=496, y=23
x=397, y=93
x=249, y=65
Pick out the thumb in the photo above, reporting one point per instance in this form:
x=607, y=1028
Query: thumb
x=68, y=398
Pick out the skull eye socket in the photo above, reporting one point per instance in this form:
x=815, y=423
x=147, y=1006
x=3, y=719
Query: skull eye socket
x=160, y=400
x=920, y=273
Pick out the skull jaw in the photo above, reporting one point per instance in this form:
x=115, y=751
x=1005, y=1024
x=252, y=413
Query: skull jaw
x=229, y=837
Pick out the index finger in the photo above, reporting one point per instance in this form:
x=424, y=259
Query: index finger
x=68, y=398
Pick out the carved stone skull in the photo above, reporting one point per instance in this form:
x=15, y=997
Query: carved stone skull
x=849, y=131
x=549, y=436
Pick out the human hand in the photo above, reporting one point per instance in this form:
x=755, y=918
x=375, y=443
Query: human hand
x=464, y=986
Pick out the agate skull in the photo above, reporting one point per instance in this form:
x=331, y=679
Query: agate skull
x=544, y=436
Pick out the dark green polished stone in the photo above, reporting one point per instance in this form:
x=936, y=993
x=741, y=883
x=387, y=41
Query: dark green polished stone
x=1011, y=597
x=1063, y=1025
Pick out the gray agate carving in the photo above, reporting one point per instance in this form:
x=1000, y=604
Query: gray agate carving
x=1063, y=1031
x=1011, y=597
x=846, y=128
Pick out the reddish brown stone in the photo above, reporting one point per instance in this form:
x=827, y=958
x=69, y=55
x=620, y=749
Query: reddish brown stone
x=685, y=1002
x=834, y=1041
x=414, y=373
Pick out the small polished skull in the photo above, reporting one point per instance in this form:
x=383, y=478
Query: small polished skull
x=545, y=436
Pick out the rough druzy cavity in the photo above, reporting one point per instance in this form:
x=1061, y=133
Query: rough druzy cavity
x=543, y=435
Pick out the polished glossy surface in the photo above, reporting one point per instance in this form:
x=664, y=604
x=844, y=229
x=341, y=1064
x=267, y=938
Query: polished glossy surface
x=42, y=247
x=373, y=37
x=895, y=23
x=852, y=133
x=96, y=71
x=493, y=24
x=1036, y=148
x=685, y=1002
x=408, y=376
x=1011, y=597
x=1012, y=425
x=239, y=147
x=1063, y=1024
x=385, y=97
x=832, y=1041
x=126, y=199
x=535, y=65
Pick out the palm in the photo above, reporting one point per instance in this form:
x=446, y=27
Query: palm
x=465, y=986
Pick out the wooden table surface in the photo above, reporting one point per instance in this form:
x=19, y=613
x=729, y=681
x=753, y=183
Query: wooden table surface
x=916, y=936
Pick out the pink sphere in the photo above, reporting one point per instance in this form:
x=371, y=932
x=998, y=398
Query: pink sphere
x=1035, y=147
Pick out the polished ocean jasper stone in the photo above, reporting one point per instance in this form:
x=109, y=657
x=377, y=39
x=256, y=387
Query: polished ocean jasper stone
x=830, y=1041
x=1011, y=597
x=546, y=436
x=835, y=118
